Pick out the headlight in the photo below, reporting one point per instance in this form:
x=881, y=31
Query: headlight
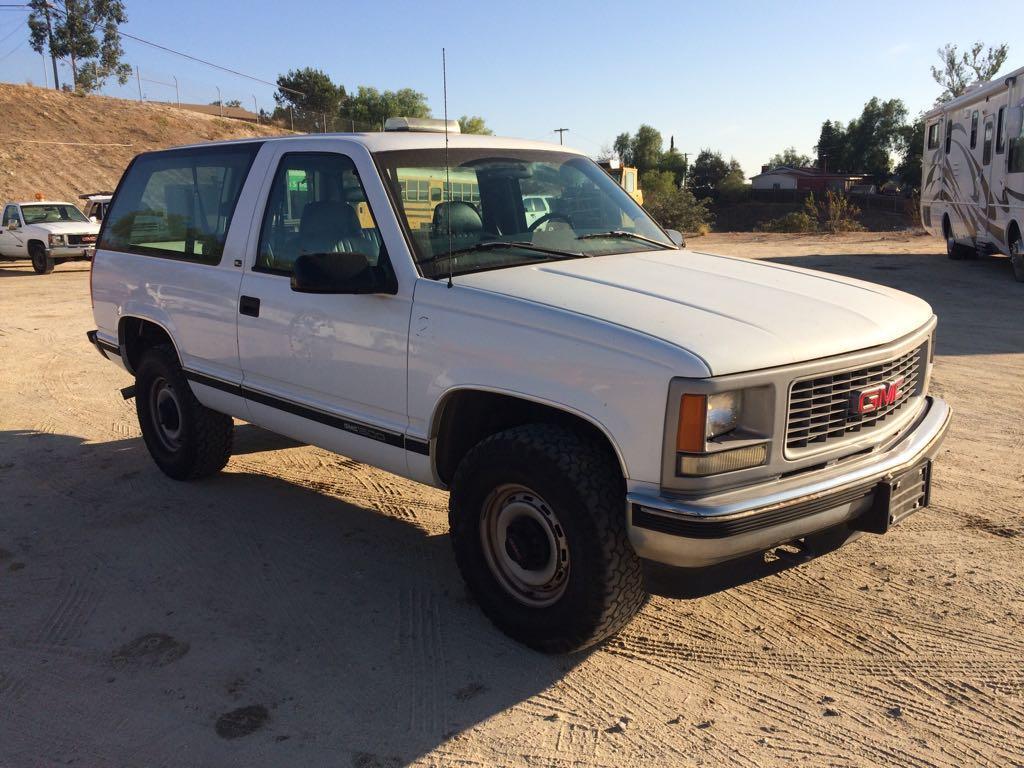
x=56, y=240
x=705, y=418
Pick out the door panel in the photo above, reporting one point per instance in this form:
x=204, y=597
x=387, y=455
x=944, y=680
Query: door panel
x=329, y=369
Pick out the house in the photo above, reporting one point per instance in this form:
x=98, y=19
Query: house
x=806, y=178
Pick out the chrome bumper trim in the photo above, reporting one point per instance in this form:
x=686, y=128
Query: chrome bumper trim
x=767, y=514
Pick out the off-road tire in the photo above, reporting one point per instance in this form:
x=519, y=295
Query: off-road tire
x=41, y=263
x=583, y=485
x=205, y=436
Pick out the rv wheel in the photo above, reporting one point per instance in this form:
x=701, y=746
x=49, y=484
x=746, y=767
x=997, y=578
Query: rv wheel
x=1017, y=256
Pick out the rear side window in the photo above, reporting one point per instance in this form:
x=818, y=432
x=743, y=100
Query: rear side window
x=986, y=152
x=933, y=136
x=974, y=129
x=1000, y=137
x=949, y=135
x=178, y=204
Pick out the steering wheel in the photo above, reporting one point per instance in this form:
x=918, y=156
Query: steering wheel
x=548, y=217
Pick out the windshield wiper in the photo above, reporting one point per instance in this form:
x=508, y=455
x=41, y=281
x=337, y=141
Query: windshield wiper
x=623, y=234
x=494, y=245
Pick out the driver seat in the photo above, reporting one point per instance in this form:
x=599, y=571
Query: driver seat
x=461, y=216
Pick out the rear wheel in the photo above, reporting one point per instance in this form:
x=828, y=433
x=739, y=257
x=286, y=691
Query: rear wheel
x=1017, y=255
x=538, y=526
x=186, y=439
x=955, y=250
x=41, y=262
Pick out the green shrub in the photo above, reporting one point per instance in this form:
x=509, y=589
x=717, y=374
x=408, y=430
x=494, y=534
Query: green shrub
x=835, y=213
x=797, y=221
x=671, y=206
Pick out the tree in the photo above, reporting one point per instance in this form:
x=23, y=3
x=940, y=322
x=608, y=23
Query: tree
x=675, y=163
x=867, y=143
x=642, y=151
x=309, y=92
x=911, y=147
x=373, y=107
x=671, y=206
x=831, y=145
x=228, y=103
x=84, y=31
x=958, y=70
x=474, y=124
x=789, y=157
x=623, y=146
x=707, y=171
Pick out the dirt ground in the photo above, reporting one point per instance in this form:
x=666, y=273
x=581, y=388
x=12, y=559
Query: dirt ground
x=302, y=609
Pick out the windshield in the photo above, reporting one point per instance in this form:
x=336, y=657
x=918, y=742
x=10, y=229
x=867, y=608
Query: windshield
x=45, y=213
x=505, y=208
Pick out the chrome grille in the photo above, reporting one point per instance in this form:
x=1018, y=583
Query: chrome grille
x=821, y=408
x=81, y=239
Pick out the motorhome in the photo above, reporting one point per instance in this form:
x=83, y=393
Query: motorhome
x=973, y=171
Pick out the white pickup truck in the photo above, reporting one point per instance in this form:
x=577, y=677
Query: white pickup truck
x=591, y=392
x=46, y=232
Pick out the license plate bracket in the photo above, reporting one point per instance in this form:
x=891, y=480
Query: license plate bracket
x=897, y=497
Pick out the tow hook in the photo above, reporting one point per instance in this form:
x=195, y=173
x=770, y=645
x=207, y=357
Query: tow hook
x=128, y=392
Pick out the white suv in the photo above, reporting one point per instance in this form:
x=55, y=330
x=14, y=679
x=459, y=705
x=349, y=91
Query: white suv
x=592, y=393
x=46, y=232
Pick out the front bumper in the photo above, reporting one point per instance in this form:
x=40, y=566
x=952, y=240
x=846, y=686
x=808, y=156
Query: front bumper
x=71, y=252
x=699, y=531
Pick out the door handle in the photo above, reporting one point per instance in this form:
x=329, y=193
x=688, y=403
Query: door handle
x=249, y=305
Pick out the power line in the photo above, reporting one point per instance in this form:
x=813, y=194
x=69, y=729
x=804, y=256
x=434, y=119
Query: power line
x=180, y=53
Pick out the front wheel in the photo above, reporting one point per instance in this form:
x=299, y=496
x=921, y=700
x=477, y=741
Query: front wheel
x=41, y=262
x=186, y=439
x=538, y=525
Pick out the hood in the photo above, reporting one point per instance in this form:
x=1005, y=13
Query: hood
x=68, y=227
x=736, y=314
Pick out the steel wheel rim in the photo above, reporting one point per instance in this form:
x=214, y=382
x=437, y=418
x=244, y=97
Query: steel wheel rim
x=166, y=411
x=525, y=545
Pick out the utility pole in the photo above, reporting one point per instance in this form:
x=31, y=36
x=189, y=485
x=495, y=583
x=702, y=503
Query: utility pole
x=49, y=36
x=255, y=109
x=138, y=79
x=560, y=131
x=220, y=101
x=177, y=93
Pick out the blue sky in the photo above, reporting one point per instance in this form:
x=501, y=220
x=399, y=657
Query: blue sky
x=746, y=78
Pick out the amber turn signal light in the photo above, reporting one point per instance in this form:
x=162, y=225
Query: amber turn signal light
x=693, y=418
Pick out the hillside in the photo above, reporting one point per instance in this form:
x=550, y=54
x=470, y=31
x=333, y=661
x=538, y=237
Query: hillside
x=50, y=141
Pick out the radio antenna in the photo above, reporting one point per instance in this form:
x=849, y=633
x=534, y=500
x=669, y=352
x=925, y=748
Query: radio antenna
x=447, y=169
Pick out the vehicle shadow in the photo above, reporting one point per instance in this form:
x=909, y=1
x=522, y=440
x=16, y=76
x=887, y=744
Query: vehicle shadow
x=696, y=583
x=246, y=619
x=978, y=302
x=24, y=268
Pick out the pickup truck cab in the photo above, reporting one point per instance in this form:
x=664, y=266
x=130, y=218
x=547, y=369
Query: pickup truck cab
x=46, y=232
x=591, y=393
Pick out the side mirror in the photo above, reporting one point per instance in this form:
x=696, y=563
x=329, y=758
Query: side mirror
x=676, y=237
x=13, y=225
x=339, y=273
x=94, y=220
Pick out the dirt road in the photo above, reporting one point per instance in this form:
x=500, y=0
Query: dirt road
x=302, y=609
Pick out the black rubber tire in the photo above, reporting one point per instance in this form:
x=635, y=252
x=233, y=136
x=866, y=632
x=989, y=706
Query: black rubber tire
x=583, y=485
x=41, y=263
x=206, y=436
x=1017, y=256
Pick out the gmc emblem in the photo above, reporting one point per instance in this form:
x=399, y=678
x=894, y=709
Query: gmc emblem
x=878, y=396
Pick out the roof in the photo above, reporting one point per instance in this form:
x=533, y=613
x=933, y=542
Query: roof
x=807, y=171
x=386, y=141
x=976, y=91
x=44, y=202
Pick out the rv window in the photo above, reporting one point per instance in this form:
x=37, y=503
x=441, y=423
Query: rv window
x=1015, y=157
x=949, y=135
x=933, y=136
x=1000, y=138
x=986, y=152
x=974, y=129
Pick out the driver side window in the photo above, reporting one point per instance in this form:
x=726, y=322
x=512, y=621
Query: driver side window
x=317, y=204
x=11, y=214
